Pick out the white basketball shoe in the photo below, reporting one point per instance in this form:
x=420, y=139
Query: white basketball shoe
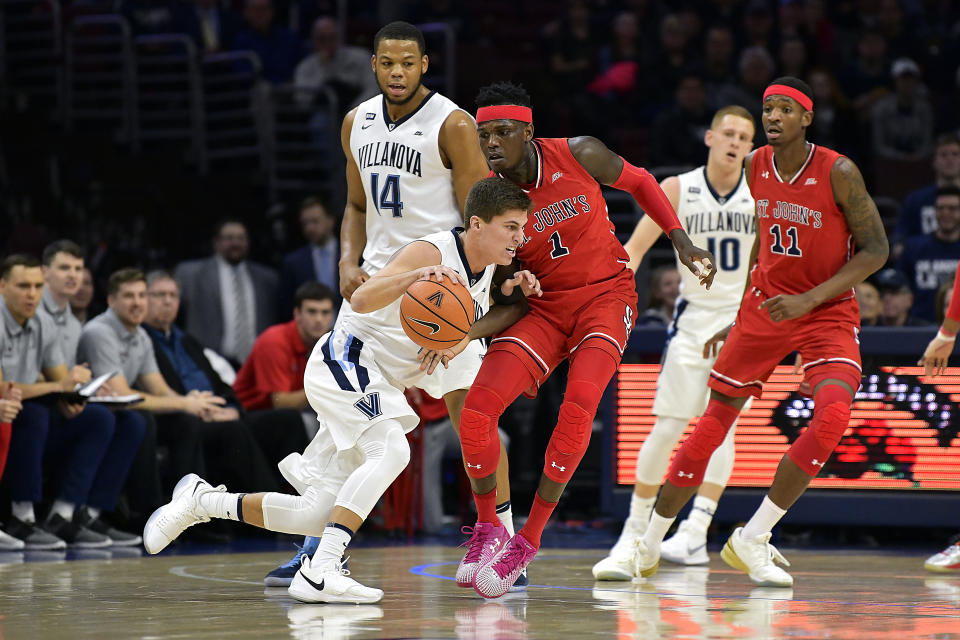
x=330, y=583
x=685, y=547
x=947, y=561
x=183, y=511
x=757, y=558
x=618, y=565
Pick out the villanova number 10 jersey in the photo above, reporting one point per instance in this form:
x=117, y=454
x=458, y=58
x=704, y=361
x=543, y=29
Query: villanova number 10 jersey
x=569, y=241
x=409, y=192
x=725, y=225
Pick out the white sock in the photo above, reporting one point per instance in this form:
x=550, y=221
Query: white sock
x=701, y=514
x=505, y=513
x=94, y=512
x=640, y=508
x=63, y=508
x=22, y=510
x=763, y=519
x=333, y=544
x=656, y=530
x=226, y=506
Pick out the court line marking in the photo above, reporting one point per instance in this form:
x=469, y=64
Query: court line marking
x=183, y=572
x=421, y=570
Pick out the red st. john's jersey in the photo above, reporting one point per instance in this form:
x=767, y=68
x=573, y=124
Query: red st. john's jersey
x=569, y=241
x=804, y=236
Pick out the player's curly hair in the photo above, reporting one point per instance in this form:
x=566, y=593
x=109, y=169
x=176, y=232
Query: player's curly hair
x=502, y=93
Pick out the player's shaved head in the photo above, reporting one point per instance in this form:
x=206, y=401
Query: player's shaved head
x=400, y=30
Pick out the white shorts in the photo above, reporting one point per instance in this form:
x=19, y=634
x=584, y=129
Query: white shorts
x=682, y=386
x=460, y=375
x=350, y=393
x=320, y=465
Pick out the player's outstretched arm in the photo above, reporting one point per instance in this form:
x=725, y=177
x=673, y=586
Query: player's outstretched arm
x=416, y=261
x=460, y=150
x=864, y=221
x=935, y=356
x=608, y=168
x=647, y=230
x=353, y=229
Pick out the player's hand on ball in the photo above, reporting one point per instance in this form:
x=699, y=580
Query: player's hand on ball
x=787, y=307
x=351, y=277
x=438, y=271
x=711, y=348
x=935, y=356
x=527, y=282
x=431, y=358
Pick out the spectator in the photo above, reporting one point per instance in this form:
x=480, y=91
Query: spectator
x=62, y=273
x=896, y=299
x=670, y=60
x=718, y=51
x=865, y=79
x=272, y=377
x=209, y=24
x=917, y=216
x=833, y=122
x=73, y=434
x=226, y=299
x=928, y=260
x=677, y=135
x=82, y=299
x=278, y=49
x=868, y=298
x=758, y=25
x=664, y=291
x=345, y=69
x=793, y=57
x=756, y=69
x=318, y=260
x=183, y=366
x=572, y=46
x=903, y=121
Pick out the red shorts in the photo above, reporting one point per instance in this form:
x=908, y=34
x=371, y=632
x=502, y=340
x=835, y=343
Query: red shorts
x=828, y=335
x=556, y=325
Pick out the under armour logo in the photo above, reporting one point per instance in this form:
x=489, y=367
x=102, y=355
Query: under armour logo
x=493, y=545
x=556, y=176
x=810, y=181
x=556, y=466
x=473, y=466
x=765, y=174
x=818, y=463
x=684, y=475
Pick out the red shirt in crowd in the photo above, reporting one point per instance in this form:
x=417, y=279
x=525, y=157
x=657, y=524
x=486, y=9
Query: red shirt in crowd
x=276, y=363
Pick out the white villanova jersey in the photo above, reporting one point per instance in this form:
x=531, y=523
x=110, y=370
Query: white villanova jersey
x=726, y=226
x=409, y=192
x=395, y=353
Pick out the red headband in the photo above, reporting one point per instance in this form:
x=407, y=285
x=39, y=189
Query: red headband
x=504, y=112
x=790, y=92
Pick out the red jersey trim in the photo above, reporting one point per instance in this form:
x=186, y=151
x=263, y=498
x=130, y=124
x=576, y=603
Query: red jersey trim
x=806, y=163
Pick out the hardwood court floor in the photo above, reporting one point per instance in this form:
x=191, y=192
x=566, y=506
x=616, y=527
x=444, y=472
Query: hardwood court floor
x=850, y=594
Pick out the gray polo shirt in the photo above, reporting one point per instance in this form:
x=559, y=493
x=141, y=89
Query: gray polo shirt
x=67, y=325
x=107, y=345
x=26, y=351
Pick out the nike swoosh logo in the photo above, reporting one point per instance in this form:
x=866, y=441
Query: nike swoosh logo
x=318, y=587
x=695, y=549
x=196, y=486
x=433, y=326
x=366, y=126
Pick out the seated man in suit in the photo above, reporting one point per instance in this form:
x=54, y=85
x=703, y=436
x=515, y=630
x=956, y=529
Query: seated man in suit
x=226, y=299
x=184, y=367
x=318, y=260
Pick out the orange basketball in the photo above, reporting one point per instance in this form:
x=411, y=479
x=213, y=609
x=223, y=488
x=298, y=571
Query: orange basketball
x=436, y=315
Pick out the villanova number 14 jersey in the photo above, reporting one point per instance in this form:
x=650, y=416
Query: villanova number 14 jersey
x=726, y=226
x=569, y=241
x=804, y=237
x=409, y=192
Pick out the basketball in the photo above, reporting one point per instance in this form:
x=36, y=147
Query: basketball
x=436, y=315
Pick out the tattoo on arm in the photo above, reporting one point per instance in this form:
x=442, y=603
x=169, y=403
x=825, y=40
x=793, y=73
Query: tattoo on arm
x=858, y=208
